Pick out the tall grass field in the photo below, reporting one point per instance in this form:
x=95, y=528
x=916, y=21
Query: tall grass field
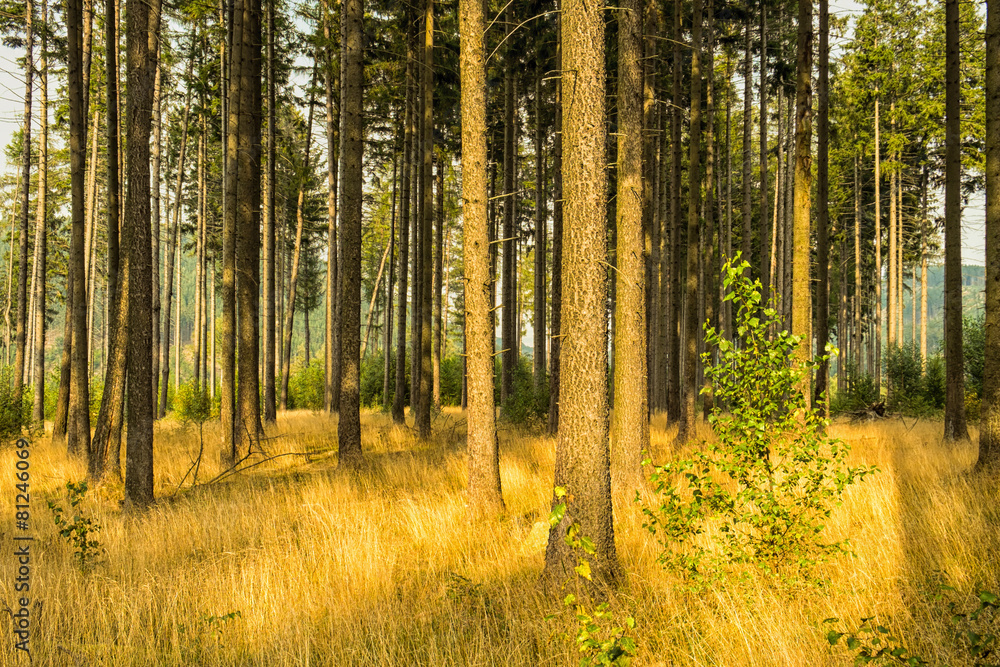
x=292, y=562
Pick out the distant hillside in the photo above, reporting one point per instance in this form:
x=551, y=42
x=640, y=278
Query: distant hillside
x=973, y=302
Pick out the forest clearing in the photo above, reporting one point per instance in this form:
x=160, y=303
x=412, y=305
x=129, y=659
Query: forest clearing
x=383, y=566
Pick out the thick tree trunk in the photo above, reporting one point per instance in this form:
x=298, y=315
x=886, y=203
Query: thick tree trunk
x=555, y=346
x=423, y=418
x=351, y=133
x=143, y=32
x=248, y=225
x=582, y=464
x=801, y=293
x=954, y=409
x=630, y=426
x=485, y=496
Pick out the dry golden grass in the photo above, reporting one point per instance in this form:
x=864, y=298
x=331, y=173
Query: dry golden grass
x=382, y=566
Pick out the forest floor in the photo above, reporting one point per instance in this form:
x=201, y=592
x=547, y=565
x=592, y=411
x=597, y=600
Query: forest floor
x=383, y=567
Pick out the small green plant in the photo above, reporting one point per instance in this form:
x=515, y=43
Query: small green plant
x=306, y=387
x=977, y=633
x=80, y=531
x=194, y=405
x=874, y=644
x=766, y=488
x=599, y=637
x=206, y=635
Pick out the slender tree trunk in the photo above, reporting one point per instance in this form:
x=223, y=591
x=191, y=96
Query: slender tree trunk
x=877, y=343
x=485, y=496
x=745, y=247
x=651, y=222
x=765, y=229
x=398, y=399
x=674, y=385
x=508, y=328
x=989, y=425
x=297, y=252
x=427, y=209
x=438, y=287
x=41, y=218
x=387, y=334
x=923, y=266
x=687, y=421
x=630, y=426
x=541, y=234
x=582, y=464
x=823, y=212
x=270, y=408
x=143, y=34
x=173, y=250
x=20, y=357
x=351, y=133
x=857, y=265
x=113, y=158
x=78, y=413
x=155, y=226
x=371, y=304
x=954, y=410
x=708, y=263
x=333, y=305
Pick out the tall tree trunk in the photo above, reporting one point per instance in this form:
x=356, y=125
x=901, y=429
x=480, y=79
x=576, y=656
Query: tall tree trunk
x=765, y=229
x=41, y=217
x=249, y=427
x=227, y=328
x=856, y=360
x=582, y=464
x=485, y=496
x=555, y=346
x=823, y=211
x=155, y=226
x=270, y=408
x=989, y=425
x=674, y=387
x=801, y=293
x=541, y=234
x=387, y=333
x=630, y=426
x=399, y=398
x=508, y=327
x=877, y=342
x=686, y=425
x=297, y=252
x=954, y=409
x=745, y=192
x=924, y=226
x=651, y=222
x=143, y=33
x=438, y=277
x=173, y=250
x=78, y=411
x=20, y=358
x=708, y=263
x=351, y=133
x=427, y=209
x=113, y=158
x=333, y=305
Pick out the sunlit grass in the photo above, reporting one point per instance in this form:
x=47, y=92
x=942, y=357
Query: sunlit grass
x=383, y=567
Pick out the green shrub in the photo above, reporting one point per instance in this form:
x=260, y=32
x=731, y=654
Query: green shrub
x=306, y=388
x=80, y=532
x=862, y=391
x=934, y=382
x=525, y=405
x=14, y=416
x=904, y=368
x=193, y=403
x=765, y=490
x=974, y=352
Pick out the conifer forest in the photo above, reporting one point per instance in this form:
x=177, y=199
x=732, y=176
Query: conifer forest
x=479, y=332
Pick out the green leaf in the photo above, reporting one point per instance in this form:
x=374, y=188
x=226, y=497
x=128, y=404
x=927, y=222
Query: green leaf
x=583, y=569
x=557, y=514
